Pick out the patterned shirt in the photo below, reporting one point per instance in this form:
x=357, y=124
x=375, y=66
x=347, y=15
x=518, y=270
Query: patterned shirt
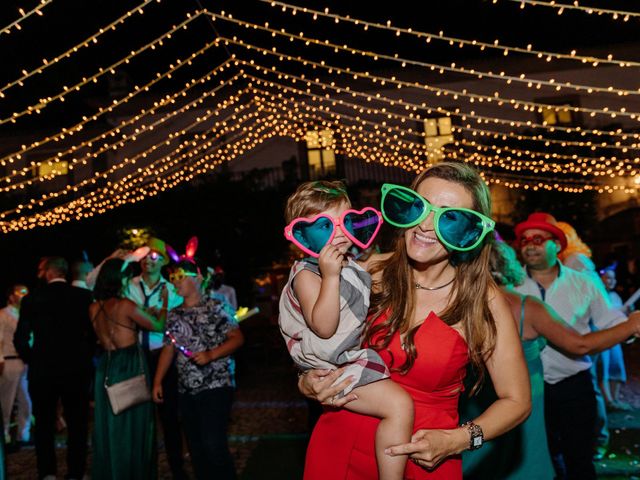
x=200, y=328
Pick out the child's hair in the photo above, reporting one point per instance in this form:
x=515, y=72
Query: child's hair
x=314, y=197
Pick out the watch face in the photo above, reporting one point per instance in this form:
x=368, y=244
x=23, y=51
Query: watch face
x=477, y=441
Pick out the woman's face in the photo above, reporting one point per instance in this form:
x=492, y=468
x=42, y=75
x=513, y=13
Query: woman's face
x=421, y=241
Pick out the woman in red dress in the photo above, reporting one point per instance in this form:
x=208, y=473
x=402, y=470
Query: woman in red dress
x=434, y=309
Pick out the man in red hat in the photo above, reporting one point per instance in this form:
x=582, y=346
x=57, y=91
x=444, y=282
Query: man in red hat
x=570, y=403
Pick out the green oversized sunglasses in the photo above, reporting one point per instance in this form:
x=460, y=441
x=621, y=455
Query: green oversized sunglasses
x=459, y=229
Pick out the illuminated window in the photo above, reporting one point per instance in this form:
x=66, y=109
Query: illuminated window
x=51, y=169
x=438, y=133
x=556, y=115
x=557, y=110
x=320, y=154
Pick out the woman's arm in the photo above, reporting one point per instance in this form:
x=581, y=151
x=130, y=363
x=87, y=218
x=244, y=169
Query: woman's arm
x=234, y=340
x=509, y=374
x=546, y=322
x=164, y=362
x=147, y=321
x=510, y=378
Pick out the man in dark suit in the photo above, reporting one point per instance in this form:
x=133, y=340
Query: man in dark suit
x=57, y=315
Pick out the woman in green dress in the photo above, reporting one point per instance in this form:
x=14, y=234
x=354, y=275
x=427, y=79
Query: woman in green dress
x=123, y=444
x=522, y=453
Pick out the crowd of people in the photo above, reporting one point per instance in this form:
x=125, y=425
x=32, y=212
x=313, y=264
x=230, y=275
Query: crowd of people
x=454, y=354
x=109, y=337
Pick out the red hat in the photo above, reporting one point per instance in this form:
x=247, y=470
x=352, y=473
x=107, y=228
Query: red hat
x=542, y=221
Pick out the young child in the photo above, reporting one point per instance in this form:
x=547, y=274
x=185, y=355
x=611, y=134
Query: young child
x=324, y=306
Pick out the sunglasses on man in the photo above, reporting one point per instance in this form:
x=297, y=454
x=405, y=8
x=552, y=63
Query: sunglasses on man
x=536, y=240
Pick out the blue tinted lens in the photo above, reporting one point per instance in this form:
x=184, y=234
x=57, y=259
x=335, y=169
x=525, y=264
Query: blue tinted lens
x=362, y=226
x=402, y=207
x=460, y=228
x=314, y=235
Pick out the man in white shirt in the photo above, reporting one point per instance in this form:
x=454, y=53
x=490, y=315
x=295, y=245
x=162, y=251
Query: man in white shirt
x=570, y=404
x=13, y=378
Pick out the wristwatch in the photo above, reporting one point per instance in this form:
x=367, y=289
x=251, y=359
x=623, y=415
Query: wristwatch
x=476, y=437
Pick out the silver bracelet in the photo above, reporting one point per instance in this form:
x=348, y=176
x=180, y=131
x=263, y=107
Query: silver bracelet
x=476, y=436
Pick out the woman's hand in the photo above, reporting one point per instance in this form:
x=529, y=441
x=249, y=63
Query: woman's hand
x=430, y=447
x=156, y=394
x=317, y=384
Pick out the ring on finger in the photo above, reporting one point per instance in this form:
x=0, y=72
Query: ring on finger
x=331, y=401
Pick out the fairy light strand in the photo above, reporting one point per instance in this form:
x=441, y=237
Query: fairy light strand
x=44, y=102
x=69, y=131
x=453, y=41
x=113, y=132
x=15, y=25
x=452, y=68
x=127, y=160
x=93, y=39
x=383, y=80
x=561, y=7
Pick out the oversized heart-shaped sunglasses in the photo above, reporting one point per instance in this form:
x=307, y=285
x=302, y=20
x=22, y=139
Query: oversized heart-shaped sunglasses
x=311, y=234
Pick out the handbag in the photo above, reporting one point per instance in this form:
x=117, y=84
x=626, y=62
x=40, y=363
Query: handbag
x=127, y=393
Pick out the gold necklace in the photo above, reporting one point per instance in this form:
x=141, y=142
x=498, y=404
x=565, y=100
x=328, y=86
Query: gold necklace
x=420, y=287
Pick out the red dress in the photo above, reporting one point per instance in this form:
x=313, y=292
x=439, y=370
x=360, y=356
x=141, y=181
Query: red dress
x=342, y=443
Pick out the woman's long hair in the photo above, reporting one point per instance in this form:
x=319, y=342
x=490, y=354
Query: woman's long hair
x=109, y=281
x=468, y=302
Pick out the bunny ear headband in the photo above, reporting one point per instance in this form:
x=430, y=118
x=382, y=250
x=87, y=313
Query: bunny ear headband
x=189, y=254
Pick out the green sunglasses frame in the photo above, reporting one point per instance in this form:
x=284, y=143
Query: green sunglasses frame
x=487, y=224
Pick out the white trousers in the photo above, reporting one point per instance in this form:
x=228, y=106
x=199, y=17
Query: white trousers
x=14, y=390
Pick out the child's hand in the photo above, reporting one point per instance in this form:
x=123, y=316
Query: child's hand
x=330, y=261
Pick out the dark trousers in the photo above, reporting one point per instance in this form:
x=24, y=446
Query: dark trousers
x=570, y=417
x=206, y=419
x=73, y=392
x=168, y=414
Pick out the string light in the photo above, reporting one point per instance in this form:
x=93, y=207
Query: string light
x=589, y=164
x=113, y=132
x=383, y=80
x=403, y=118
x=513, y=103
x=129, y=160
x=103, y=110
x=60, y=216
x=561, y=7
x=438, y=68
x=15, y=25
x=110, y=190
x=85, y=43
x=454, y=41
x=44, y=102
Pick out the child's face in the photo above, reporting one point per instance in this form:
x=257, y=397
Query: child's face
x=317, y=233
